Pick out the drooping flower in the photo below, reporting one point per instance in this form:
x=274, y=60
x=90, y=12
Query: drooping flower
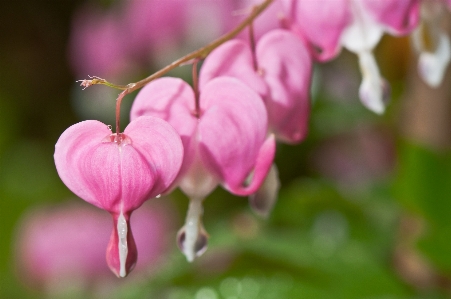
x=432, y=42
x=118, y=172
x=358, y=25
x=62, y=247
x=280, y=71
x=224, y=137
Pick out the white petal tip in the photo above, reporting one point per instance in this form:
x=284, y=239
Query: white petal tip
x=123, y=248
x=432, y=65
x=262, y=202
x=375, y=96
x=431, y=69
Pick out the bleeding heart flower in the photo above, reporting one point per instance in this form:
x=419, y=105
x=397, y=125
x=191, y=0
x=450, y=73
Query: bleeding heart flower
x=118, y=172
x=280, y=71
x=224, y=139
x=357, y=25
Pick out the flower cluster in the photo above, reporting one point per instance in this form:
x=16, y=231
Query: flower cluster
x=222, y=130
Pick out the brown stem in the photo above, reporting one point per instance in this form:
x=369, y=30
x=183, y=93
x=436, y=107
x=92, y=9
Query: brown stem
x=198, y=54
x=118, y=113
x=196, y=88
x=252, y=44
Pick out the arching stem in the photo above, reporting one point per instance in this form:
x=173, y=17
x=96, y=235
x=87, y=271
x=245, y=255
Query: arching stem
x=197, y=54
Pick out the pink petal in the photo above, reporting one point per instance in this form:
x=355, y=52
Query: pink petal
x=100, y=171
x=159, y=145
x=232, y=130
x=234, y=59
x=73, y=146
x=287, y=69
x=400, y=16
x=262, y=165
x=118, y=177
x=320, y=23
x=171, y=99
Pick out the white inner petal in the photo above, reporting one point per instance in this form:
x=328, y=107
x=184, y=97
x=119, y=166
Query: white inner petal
x=198, y=182
x=122, y=245
x=264, y=199
x=192, y=227
x=432, y=65
x=432, y=43
x=364, y=32
x=373, y=90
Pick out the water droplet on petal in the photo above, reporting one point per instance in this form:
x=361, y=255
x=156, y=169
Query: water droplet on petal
x=119, y=139
x=158, y=196
x=110, y=127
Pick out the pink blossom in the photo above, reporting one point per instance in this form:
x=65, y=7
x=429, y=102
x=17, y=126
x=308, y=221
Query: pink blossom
x=281, y=74
x=322, y=23
x=357, y=25
x=118, y=172
x=95, y=47
x=65, y=244
x=149, y=23
x=112, y=41
x=225, y=141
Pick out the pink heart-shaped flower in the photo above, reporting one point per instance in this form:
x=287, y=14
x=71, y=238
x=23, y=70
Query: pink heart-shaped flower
x=118, y=172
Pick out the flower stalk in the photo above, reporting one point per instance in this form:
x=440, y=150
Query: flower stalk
x=197, y=54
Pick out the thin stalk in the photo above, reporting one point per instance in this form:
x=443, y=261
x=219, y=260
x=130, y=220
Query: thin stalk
x=252, y=44
x=118, y=113
x=196, y=87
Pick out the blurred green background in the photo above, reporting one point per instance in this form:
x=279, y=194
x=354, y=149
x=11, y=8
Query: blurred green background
x=364, y=210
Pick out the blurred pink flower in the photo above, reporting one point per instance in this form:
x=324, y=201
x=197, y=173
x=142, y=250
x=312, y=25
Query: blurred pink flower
x=96, y=47
x=148, y=23
x=118, y=172
x=358, y=25
x=225, y=141
x=65, y=244
x=113, y=41
x=322, y=23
